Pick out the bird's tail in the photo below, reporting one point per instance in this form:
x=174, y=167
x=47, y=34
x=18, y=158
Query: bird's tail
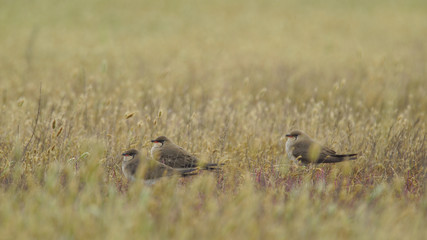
x=339, y=158
x=188, y=171
x=212, y=166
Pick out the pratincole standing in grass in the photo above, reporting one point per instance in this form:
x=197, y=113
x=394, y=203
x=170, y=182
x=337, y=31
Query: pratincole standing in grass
x=153, y=171
x=167, y=152
x=300, y=147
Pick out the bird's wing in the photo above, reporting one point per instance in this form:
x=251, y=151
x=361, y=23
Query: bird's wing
x=300, y=151
x=326, y=152
x=156, y=170
x=133, y=166
x=177, y=157
x=311, y=152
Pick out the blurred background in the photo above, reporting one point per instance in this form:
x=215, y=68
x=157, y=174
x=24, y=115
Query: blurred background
x=291, y=48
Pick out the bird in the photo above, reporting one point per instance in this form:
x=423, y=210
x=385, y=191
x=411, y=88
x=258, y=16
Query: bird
x=153, y=171
x=300, y=147
x=170, y=154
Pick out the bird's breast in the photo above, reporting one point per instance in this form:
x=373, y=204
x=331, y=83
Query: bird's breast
x=155, y=151
x=125, y=171
x=124, y=168
x=289, y=145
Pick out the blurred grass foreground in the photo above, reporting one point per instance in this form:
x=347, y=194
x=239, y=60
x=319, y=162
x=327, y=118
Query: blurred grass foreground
x=225, y=80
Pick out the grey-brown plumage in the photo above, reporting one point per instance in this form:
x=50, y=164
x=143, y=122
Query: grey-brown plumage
x=153, y=170
x=300, y=147
x=167, y=152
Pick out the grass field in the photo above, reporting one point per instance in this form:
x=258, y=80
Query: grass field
x=225, y=80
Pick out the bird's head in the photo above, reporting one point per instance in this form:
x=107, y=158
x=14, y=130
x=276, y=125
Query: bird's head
x=160, y=141
x=295, y=135
x=129, y=154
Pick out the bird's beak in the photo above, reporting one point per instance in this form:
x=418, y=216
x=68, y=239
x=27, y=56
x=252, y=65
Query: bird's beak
x=124, y=154
x=154, y=141
x=288, y=135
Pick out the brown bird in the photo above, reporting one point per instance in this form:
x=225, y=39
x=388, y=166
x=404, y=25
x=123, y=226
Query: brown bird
x=300, y=147
x=153, y=171
x=167, y=152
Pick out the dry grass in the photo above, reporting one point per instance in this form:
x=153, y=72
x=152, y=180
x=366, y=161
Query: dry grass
x=225, y=80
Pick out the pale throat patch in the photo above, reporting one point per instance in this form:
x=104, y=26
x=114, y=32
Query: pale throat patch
x=155, y=150
x=127, y=158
